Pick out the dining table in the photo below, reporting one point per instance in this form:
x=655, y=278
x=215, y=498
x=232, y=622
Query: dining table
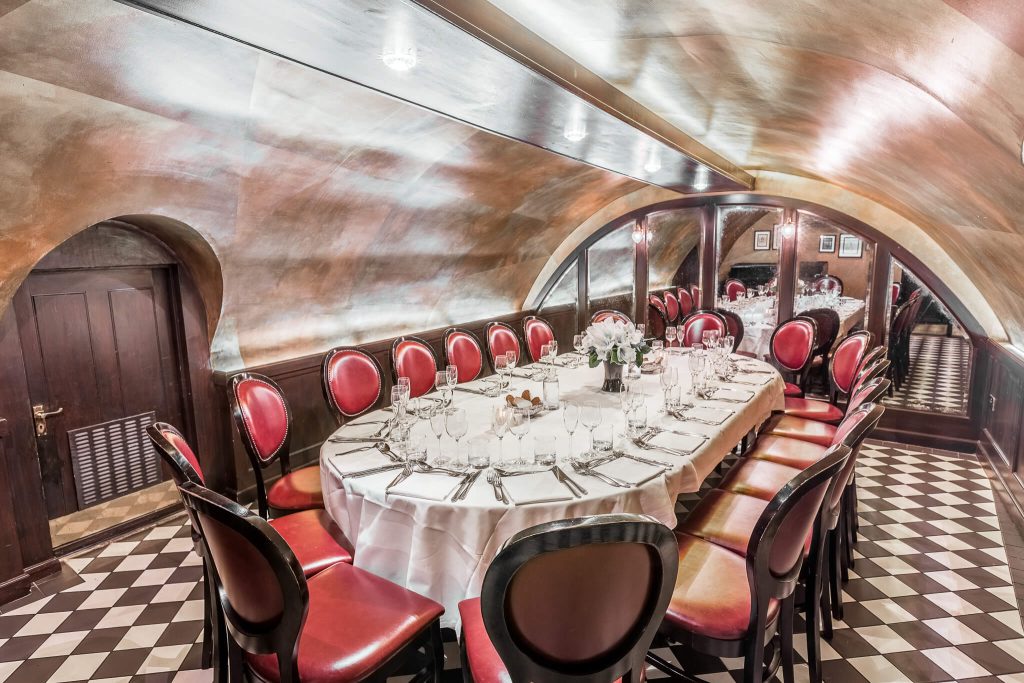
x=759, y=315
x=417, y=536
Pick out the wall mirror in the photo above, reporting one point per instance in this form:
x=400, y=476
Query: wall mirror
x=610, y=271
x=673, y=262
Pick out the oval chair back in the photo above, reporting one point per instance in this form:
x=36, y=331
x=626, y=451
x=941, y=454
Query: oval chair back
x=828, y=283
x=896, y=287
x=693, y=328
x=655, y=301
x=263, y=421
x=537, y=332
x=656, y=322
x=875, y=354
x=462, y=349
x=580, y=599
x=352, y=381
x=671, y=306
x=695, y=296
x=686, y=305
x=412, y=357
x=734, y=289
x=734, y=324
x=792, y=346
x=827, y=321
x=870, y=391
x=500, y=339
x=846, y=358
x=174, y=450
x=607, y=313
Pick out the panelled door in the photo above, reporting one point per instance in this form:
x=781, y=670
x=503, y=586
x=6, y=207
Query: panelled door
x=99, y=345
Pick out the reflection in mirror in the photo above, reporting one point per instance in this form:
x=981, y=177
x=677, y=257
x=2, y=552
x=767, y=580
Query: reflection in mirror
x=748, y=271
x=930, y=352
x=610, y=279
x=560, y=304
x=673, y=254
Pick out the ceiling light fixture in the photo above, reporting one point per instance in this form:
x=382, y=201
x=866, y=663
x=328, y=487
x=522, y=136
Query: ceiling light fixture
x=653, y=164
x=399, y=59
x=575, y=130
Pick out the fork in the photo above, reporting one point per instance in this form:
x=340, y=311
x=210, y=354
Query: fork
x=586, y=470
x=664, y=449
x=499, y=491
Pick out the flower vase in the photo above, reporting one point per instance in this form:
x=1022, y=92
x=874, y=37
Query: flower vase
x=612, y=377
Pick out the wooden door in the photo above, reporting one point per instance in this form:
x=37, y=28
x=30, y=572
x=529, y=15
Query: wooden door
x=99, y=345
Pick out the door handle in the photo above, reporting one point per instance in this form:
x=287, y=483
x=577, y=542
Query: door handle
x=39, y=415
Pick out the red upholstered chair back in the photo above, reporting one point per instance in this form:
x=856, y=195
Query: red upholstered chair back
x=693, y=328
x=261, y=588
x=656, y=322
x=855, y=427
x=262, y=418
x=695, y=296
x=655, y=300
x=828, y=283
x=870, y=391
x=352, y=381
x=537, y=333
x=686, y=303
x=827, y=322
x=735, y=289
x=870, y=358
x=734, y=323
x=500, y=339
x=671, y=307
x=792, y=344
x=580, y=599
x=462, y=349
x=846, y=359
x=413, y=358
x=608, y=313
x=896, y=287
x=175, y=451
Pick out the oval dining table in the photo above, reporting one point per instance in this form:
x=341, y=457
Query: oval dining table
x=442, y=549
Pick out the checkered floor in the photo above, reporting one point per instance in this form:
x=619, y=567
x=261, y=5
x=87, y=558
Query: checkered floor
x=931, y=597
x=96, y=518
x=940, y=375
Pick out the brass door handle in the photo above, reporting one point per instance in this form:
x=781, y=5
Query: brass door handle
x=39, y=415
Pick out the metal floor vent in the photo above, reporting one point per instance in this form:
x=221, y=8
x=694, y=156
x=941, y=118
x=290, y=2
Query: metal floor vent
x=113, y=458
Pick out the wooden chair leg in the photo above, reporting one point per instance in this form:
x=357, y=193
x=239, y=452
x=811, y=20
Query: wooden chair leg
x=835, y=587
x=815, y=610
x=436, y=647
x=753, y=659
x=787, y=609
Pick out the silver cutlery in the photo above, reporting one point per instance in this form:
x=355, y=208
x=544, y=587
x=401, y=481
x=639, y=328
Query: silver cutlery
x=569, y=483
x=402, y=476
x=356, y=439
x=658, y=430
x=372, y=470
x=663, y=449
x=371, y=422
x=354, y=450
x=590, y=472
x=466, y=485
x=478, y=392
x=646, y=461
x=492, y=479
x=386, y=450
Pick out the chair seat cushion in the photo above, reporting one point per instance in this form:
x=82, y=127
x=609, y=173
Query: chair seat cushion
x=800, y=428
x=812, y=409
x=712, y=595
x=356, y=622
x=724, y=518
x=793, y=390
x=297, y=490
x=758, y=478
x=315, y=539
x=787, y=451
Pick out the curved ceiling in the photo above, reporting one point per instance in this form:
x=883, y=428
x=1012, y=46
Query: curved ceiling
x=913, y=104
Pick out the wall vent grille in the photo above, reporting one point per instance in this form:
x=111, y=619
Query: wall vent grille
x=113, y=458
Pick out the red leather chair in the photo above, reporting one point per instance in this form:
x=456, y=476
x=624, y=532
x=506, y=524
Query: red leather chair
x=734, y=324
x=537, y=332
x=263, y=421
x=828, y=323
x=734, y=289
x=846, y=358
x=692, y=330
x=819, y=431
x=825, y=411
x=344, y=624
x=608, y=313
x=895, y=292
x=462, y=349
x=828, y=283
x=695, y=296
x=656, y=322
x=352, y=381
x=655, y=301
x=740, y=560
x=501, y=338
x=572, y=600
x=412, y=357
x=671, y=307
x=791, y=347
x=686, y=303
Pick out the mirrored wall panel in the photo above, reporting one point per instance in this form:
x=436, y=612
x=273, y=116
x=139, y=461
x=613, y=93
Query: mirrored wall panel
x=673, y=258
x=560, y=305
x=610, y=276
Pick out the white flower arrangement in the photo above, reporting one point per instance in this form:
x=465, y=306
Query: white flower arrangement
x=614, y=342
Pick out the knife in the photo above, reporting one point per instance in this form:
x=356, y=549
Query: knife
x=570, y=484
x=470, y=391
x=466, y=485
x=372, y=470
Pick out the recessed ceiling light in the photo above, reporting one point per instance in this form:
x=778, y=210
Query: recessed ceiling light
x=575, y=130
x=399, y=59
x=653, y=164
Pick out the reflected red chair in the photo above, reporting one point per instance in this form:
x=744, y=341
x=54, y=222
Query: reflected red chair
x=896, y=287
x=462, y=349
x=500, y=339
x=846, y=358
x=571, y=600
x=828, y=323
x=740, y=561
x=655, y=301
x=537, y=332
x=791, y=348
x=412, y=357
x=352, y=381
x=734, y=289
x=686, y=303
x=828, y=283
x=656, y=322
x=692, y=330
x=263, y=421
x=734, y=323
x=695, y=296
x=607, y=313
x=344, y=624
x=671, y=307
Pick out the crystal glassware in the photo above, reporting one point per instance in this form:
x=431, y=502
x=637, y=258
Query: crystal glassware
x=570, y=420
x=456, y=423
x=590, y=416
x=519, y=425
x=500, y=416
x=544, y=449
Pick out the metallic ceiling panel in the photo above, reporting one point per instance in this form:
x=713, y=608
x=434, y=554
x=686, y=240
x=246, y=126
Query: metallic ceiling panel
x=455, y=74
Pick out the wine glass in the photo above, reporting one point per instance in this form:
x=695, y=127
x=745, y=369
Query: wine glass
x=511, y=358
x=441, y=384
x=397, y=402
x=728, y=341
x=570, y=419
x=499, y=423
x=545, y=353
x=554, y=349
x=437, y=426
x=406, y=385
x=452, y=373
x=519, y=425
x=670, y=336
x=590, y=416
x=501, y=369
x=456, y=423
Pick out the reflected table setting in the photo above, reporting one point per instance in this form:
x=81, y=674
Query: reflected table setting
x=759, y=313
x=419, y=536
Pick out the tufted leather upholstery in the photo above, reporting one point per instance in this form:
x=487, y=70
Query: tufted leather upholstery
x=846, y=359
x=712, y=593
x=355, y=624
x=725, y=519
x=820, y=433
x=734, y=289
x=297, y=490
x=671, y=306
x=265, y=415
x=792, y=344
x=537, y=333
x=501, y=339
x=352, y=380
x=685, y=302
x=811, y=409
x=758, y=478
x=314, y=538
x=462, y=350
x=412, y=358
x=697, y=323
x=787, y=451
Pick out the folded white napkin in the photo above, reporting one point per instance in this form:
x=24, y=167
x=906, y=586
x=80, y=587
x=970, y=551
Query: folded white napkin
x=355, y=462
x=678, y=442
x=716, y=415
x=629, y=471
x=536, y=487
x=733, y=394
x=427, y=486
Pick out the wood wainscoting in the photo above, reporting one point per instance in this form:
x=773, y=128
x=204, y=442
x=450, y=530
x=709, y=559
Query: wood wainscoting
x=1001, y=403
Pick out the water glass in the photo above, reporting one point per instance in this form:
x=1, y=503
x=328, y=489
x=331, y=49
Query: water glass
x=416, y=448
x=604, y=439
x=590, y=416
x=570, y=420
x=636, y=420
x=551, y=391
x=501, y=368
x=456, y=423
x=479, y=456
x=511, y=359
x=437, y=419
x=451, y=375
x=519, y=425
x=670, y=336
x=544, y=449
x=545, y=353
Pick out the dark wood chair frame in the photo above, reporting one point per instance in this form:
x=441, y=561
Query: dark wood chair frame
x=834, y=392
x=825, y=341
x=394, y=349
x=725, y=286
x=487, y=339
x=737, y=322
x=627, y=660
x=702, y=311
x=665, y=294
x=526, y=338
x=281, y=637
x=444, y=349
x=655, y=317
x=340, y=415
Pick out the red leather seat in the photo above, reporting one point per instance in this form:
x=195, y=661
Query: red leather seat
x=787, y=451
x=811, y=409
x=802, y=429
x=693, y=328
x=757, y=478
x=671, y=307
x=297, y=490
x=725, y=519
x=500, y=340
x=793, y=391
x=712, y=593
x=356, y=621
x=314, y=538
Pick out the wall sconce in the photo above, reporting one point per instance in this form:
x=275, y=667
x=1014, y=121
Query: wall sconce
x=638, y=233
x=788, y=229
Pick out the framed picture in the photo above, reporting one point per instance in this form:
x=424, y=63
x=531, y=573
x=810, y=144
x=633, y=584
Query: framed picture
x=826, y=244
x=762, y=240
x=850, y=247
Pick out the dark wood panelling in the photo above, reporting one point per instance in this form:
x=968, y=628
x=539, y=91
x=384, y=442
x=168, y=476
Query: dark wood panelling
x=13, y=581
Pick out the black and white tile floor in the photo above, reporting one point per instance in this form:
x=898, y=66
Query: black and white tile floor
x=931, y=598
x=940, y=374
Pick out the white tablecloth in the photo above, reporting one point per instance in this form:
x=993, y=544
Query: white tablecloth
x=758, y=316
x=442, y=549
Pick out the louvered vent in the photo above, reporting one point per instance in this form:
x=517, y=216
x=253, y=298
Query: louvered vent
x=113, y=458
